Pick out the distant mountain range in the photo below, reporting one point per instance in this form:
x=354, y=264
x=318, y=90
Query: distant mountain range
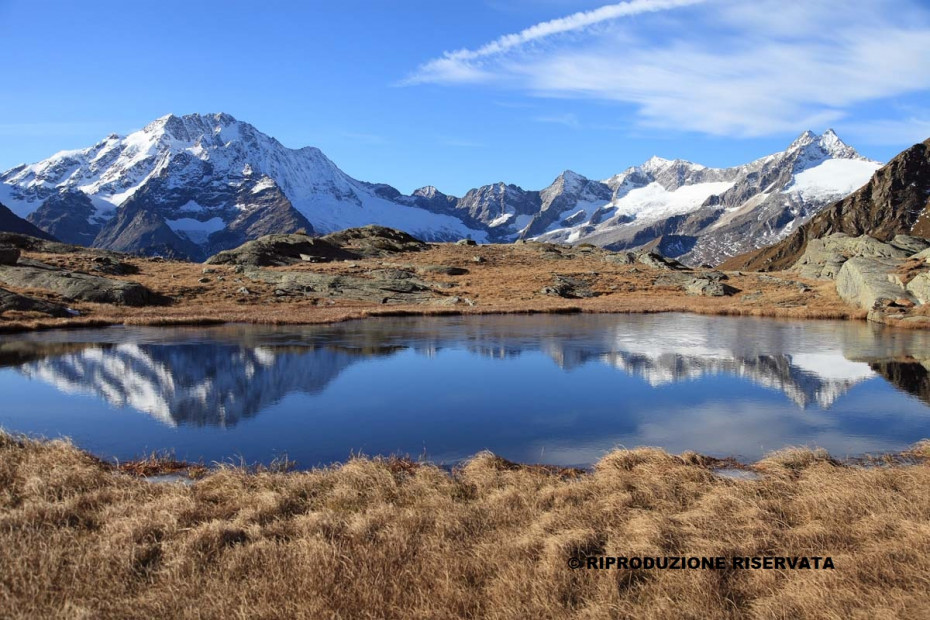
x=895, y=201
x=191, y=186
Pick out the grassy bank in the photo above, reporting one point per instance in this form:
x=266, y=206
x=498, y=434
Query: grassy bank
x=389, y=538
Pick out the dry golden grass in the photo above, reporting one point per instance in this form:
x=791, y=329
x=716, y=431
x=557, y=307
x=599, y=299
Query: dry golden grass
x=395, y=539
x=509, y=281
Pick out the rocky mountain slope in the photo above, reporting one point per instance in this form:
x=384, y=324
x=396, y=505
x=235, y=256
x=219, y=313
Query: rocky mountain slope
x=194, y=185
x=896, y=200
x=10, y=222
x=704, y=215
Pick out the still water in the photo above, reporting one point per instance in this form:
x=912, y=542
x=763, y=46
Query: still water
x=552, y=389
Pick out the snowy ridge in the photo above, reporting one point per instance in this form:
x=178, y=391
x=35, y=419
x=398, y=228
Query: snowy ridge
x=205, y=159
x=215, y=182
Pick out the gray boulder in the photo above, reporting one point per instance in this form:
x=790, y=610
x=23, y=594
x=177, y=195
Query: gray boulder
x=281, y=250
x=863, y=281
x=621, y=258
x=709, y=287
x=919, y=287
x=657, y=261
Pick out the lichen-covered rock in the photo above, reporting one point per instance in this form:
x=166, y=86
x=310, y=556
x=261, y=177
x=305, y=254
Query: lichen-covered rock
x=10, y=301
x=709, y=287
x=657, y=261
x=78, y=286
x=919, y=287
x=381, y=287
x=823, y=258
x=375, y=241
x=279, y=250
x=568, y=288
x=621, y=258
x=864, y=281
x=910, y=244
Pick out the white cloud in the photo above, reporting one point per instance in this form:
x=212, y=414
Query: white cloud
x=723, y=67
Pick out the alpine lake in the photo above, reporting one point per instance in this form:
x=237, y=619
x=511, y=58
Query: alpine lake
x=554, y=389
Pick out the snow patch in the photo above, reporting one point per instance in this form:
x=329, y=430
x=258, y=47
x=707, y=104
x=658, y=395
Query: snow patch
x=195, y=230
x=833, y=177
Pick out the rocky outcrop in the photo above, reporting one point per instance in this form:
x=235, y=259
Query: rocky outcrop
x=375, y=241
x=864, y=281
x=569, y=287
x=354, y=243
x=709, y=286
x=13, y=302
x=919, y=287
x=77, y=286
x=657, y=261
x=387, y=286
x=279, y=250
x=823, y=258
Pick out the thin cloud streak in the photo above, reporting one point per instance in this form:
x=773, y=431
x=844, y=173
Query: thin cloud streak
x=454, y=66
x=724, y=68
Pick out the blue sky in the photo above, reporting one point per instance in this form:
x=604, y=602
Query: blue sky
x=463, y=93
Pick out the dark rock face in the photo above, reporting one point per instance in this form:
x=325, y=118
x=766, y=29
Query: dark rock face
x=270, y=212
x=142, y=231
x=9, y=255
x=13, y=302
x=10, y=222
x=68, y=216
x=895, y=201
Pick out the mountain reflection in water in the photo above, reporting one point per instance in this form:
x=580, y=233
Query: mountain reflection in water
x=218, y=377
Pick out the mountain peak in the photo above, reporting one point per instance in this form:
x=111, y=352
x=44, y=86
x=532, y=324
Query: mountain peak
x=828, y=144
x=805, y=139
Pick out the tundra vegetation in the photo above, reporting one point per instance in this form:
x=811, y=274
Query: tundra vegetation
x=394, y=538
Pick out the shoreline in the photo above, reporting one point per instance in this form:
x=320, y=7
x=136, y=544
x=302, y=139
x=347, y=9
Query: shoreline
x=15, y=327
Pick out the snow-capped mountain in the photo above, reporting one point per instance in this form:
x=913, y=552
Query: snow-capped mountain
x=196, y=184
x=193, y=185
x=705, y=215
